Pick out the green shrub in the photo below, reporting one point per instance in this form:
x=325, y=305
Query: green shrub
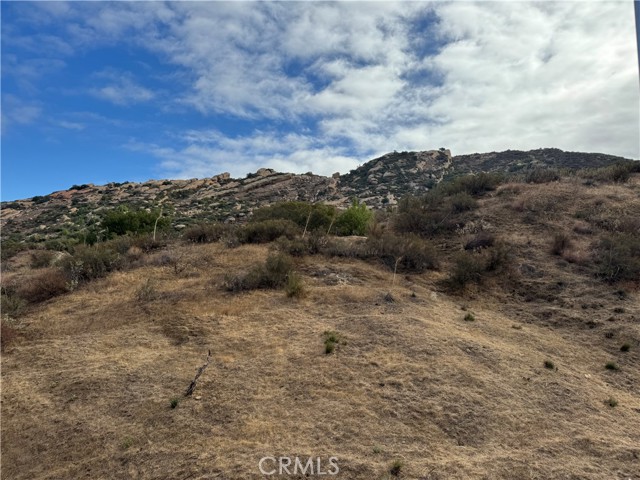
x=90, y=262
x=267, y=231
x=612, y=402
x=396, y=468
x=474, y=184
x=123, y=220
x=331, y=340
x=461, y=202
x=319, y=216
x=355, y=220
x=469, y=317
x=549, y=364
x=294, y=286
x=611, y=366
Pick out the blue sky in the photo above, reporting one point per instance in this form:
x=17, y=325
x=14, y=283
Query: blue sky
x=95, y=92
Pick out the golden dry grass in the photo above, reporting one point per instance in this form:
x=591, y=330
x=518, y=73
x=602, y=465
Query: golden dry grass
x=86, y=391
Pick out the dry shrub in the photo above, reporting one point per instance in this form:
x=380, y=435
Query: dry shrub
x=42, y=258
x=205, y=233
x=481, y=240
x=90, y=262
x=43, y=286
x=8, y=334
x=475, y=266
x=272, y=274
x=267, y=231
x=582, y=228
x=618, y=257
x=561, y=242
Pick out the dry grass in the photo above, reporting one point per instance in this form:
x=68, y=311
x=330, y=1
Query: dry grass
x=88, y=386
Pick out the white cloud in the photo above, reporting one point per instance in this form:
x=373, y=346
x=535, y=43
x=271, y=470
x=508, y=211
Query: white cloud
x=358, y=79
x=18, y=112
x=122, y=90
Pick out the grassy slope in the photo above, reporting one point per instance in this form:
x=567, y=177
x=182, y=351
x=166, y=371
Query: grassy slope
x=86, y=393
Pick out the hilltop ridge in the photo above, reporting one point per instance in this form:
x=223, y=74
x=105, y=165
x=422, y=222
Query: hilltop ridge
x=379, y=183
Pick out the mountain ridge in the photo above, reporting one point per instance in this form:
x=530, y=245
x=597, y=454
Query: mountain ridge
x=379, y=183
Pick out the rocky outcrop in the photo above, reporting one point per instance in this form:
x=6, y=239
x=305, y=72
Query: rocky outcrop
x=379, y=183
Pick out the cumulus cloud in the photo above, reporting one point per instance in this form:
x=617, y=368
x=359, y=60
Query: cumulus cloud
x=323, y=86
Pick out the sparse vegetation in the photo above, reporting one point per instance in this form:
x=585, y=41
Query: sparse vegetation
x=618, y=257
x=294, y=286
x=612, y=402
x=174, y=402
x=561, y=242
x=331, y=340
x=469, y=317
x=611, y=366
x=625, y=347
x=43, y=286
x=548, y=364
x=396, y=468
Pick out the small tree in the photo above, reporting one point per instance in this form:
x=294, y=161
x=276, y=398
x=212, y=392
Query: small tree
x=354, y=220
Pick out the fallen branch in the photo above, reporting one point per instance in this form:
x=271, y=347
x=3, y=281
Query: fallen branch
x=199, y=372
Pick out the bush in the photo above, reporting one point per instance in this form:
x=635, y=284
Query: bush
x=204, y=233
x=474, y=184
x=408, y=253
x=124, y=220
x=41, y=258
x=467, y=267
x=272, y=274
x=331, y=340
x=12, y=305
x=47, y=284
x=618, y=258
x=541, y=175
x=267, y=231
x=473, y=267
x=8, y=334
x=425, y=216
x=461, y=202
x=561, y=242
x=90, y=262
x=294, y=286
x=481, y=240
x=319, y=216
x=355, y=220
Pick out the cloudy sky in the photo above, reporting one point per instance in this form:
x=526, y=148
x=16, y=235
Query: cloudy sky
x=114, y=91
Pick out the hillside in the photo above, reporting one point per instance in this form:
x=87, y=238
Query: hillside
x=379, y=182
x=488, y=330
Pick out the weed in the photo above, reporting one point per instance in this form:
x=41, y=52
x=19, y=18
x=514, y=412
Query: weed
x=549, y=364
x=294, y=286
x=612, y=402
x=376, y=449
x=561, y=242
x=12, y=305
x=147, y=292
x=625, y=347
x=396, y=468
x=611, y=366
x=481, y=240
x=331, y=340
x=469, y=317
x=173, y=403
x=8, y=334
